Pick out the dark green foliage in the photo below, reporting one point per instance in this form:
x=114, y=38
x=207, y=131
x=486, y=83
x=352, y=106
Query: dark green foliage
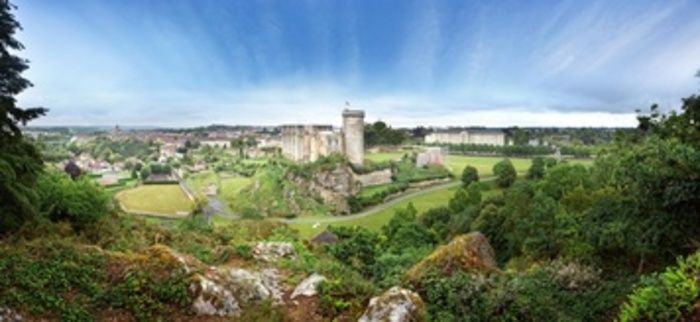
x=20, y=161
x=505, y=173
x=375, y=195
x=80, y=202
x=379, y=133
x=490, y=223
x=116, y=150
x=357, y=247
x=438, y=220
x=537, y=169
x=159, y=168
x=404, y=231
x=527, y=296
x=469, y=175
x=667, y=296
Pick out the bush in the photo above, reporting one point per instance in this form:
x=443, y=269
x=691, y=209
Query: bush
x=505, y=173
x=80, y=202
x=666, y=296
x=537, y=168
x=469, y=175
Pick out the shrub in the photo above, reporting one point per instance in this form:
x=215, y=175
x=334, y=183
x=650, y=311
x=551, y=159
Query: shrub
x=469, y=175
x=505, y=173
x=537, y=168
x=80, y=202
x=666, y=296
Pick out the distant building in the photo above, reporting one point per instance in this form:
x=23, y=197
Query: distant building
x=307, y=143
x=472, y=136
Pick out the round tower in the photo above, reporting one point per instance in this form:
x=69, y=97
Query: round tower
x=354, y=135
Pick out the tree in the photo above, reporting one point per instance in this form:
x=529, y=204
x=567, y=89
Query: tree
x=80, y=202
x=505, y=173
x=72, y=170
x=379, y=133
x=20, y=161
x=536, y=170
x=469, y=175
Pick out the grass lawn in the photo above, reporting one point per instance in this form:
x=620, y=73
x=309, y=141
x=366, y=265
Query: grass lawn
x=483, y=164
x=164, y=199
x=229, y=187
x=384, y=156
x=201, y=180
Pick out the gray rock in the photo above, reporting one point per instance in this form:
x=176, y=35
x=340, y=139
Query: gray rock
x=308, y=287
x=273, y=251
x=395, y=305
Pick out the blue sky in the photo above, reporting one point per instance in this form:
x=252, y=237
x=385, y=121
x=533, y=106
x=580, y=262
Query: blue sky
x=492, y=63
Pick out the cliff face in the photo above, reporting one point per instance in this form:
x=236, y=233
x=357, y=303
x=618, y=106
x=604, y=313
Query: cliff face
x=332, y=187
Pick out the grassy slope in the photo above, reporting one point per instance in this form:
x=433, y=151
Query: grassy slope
x=159, y=198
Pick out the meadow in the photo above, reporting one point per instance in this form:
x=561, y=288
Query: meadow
x=156, y=199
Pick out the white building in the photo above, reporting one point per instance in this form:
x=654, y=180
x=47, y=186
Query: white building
x=487, y=137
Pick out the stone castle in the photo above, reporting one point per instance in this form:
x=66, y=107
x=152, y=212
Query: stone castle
x=306, y=143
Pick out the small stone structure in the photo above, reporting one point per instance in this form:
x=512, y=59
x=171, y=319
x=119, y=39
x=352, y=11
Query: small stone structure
x=431, y=156
x=307, y=143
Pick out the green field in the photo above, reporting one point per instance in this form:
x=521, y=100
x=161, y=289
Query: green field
x=156, y=199
x=384, y=156
x=484, y=165
x=228, y=185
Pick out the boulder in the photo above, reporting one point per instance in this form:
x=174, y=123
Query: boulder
x=308, y=287
x=223, y=291
x=395, y=305
x=273, y=251
x=10, y=315
x=469, y=253
x=213, y=298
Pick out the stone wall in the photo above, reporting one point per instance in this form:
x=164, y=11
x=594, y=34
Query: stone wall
x=374, y=178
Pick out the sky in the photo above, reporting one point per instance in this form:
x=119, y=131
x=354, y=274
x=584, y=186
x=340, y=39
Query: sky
x=461, y=63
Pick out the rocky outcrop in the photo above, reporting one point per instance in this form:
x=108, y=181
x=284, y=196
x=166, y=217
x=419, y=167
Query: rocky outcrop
x=468, y=253
x=308, y=287
x=273, y=251
x=395, y=305
x=335, y=186
x=224, y=291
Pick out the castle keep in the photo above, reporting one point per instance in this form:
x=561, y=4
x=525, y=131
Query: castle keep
x=306, y=143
